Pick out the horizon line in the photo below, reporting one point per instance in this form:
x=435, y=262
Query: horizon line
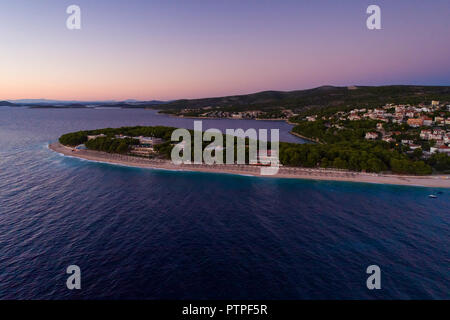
x=131, y=100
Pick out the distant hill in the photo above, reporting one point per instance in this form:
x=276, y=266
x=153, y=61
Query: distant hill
x=320, y=97
x=133, y=105
x=56, y=102
x=51, y=106
x=46, y=104
x=153, y=102
x=6, y=103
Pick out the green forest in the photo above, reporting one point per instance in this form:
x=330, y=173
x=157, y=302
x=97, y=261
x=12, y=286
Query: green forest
x=343, y=146
x=338, y=148
x=111, y=144
x=75, y=138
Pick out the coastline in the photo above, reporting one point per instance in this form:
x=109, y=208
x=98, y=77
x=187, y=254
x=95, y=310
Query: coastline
x=303, y=137
x=229, y=118
x=438, y=181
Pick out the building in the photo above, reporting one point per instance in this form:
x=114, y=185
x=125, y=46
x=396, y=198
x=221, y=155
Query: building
x=415, y=122
x=354, y=117
x=427, y=121
x=378, y=111
x=150, y=140
x=425, y=134
x=145, y=147
x=141, y=151
x=447, y=138
x=439, y=132
x=371, y=135
x=436, y=137
x=96, y=136
x=399, y=109
x=121, y=136
x=439, y=120
x=181, y=145
x=444, y=149
x=397, y=119
x=435, y=103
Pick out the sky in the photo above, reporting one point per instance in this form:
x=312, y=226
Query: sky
x=145, y=50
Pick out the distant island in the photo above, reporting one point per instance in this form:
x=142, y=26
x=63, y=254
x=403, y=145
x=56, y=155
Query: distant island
x=55, y=104
x=151, y=147
x=6, y=104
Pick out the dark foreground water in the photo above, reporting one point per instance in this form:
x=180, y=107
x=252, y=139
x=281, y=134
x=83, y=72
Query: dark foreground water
x=142, y=233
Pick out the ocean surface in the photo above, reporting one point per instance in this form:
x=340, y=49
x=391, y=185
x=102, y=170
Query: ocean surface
x=155, y=234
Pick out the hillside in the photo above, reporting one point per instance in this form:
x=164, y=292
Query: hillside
x=320, y=97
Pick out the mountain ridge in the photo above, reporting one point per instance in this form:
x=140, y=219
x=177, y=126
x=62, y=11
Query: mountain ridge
x=321, y=97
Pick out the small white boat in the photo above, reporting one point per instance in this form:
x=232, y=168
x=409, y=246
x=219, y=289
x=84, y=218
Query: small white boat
x=432, y=196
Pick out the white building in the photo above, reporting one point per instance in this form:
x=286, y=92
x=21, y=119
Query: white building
x=96, y=136
x=427, y=121
x=444, y=149
x=150, y=140
x=425, y=134
x=371, y=135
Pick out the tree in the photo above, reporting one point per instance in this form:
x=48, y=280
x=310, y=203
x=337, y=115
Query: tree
x=73, y=139
x=122, y=147
x=375, y=165
x=440, y=161
x=340, y=163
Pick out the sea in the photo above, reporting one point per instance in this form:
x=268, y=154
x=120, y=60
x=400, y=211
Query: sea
x=157, y=234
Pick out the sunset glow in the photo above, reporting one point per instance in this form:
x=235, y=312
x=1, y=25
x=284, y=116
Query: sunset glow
x=185, y=49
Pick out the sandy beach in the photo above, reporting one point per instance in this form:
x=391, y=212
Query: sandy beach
x=439, y=181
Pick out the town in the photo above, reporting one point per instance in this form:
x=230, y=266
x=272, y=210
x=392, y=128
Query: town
x=217, y=112
x=424, y=127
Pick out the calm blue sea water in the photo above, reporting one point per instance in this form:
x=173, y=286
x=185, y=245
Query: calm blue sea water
x=141, y=233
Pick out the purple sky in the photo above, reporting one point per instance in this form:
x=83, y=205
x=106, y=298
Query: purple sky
x=189, y=48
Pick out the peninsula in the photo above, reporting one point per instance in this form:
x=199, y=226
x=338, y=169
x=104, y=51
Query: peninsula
x=150, y=147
